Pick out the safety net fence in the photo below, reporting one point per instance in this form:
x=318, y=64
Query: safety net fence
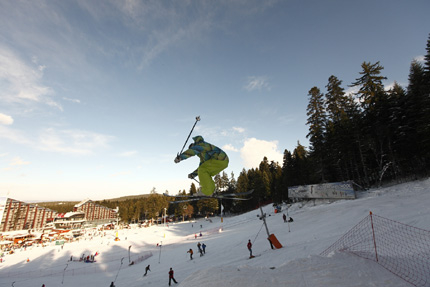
x=402, y=249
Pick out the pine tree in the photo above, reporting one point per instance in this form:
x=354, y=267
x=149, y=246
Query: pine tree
x=338, y=134
x=285, y=177
x=424, y=128
x=276, y=184
x=398, y=127
x=415, y=116
x=317, y=122
x=300, y=170
x=427, y=68
x=370, y=84
x=373, y=101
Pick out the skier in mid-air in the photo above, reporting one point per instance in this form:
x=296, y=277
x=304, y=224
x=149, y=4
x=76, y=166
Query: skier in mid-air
x=212, y=161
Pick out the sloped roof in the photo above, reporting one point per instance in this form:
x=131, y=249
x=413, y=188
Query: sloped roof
x=83, y=202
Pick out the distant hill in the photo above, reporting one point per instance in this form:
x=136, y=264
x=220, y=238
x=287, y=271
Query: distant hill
x=123, y=198
x=66, y=206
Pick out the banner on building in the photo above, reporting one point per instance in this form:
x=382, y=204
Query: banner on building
x=334, y=190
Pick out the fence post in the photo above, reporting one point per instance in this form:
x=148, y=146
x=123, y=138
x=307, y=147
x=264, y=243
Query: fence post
x=373, y=231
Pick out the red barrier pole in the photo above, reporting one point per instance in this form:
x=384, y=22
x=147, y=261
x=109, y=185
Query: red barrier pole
x=373, y=231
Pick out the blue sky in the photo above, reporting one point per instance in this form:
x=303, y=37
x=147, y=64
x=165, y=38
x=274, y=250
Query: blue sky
x=97, y=97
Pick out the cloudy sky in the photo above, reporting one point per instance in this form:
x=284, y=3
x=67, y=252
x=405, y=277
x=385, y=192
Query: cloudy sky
x=97, y=97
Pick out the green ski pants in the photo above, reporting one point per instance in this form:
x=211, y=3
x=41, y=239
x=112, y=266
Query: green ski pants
x=208, y=169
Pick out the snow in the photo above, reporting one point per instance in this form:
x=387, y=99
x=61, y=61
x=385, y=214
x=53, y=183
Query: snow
x=316, y=226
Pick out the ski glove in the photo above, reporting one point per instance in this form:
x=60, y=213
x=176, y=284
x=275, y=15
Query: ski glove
x=191, y=176
x=177, y=159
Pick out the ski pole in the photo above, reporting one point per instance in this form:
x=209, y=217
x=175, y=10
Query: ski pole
x=197, y=119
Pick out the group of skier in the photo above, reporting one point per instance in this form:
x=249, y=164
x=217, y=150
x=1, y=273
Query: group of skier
x=202, y=250
x=290, y=219
x=171, y=275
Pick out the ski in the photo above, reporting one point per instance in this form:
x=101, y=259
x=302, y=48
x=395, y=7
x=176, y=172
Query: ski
x=222, y=195
x=253, y=256
x=195, y=198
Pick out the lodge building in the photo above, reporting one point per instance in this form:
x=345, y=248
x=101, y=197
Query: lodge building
x=95, y=212
x=18, y=215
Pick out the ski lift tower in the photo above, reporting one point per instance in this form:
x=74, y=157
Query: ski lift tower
x=271, y=237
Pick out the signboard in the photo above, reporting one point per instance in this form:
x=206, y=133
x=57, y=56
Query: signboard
x=334, y=190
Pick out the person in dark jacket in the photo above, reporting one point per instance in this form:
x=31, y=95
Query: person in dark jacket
x=199, y=246
x=171, y=272
x=249, y=245
x=191, y=253
x=146, y=270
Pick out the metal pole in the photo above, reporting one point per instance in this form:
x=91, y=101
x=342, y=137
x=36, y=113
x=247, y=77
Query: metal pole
x=122, y=259
x=129, y=260
x=373, y=231
x=197, y=119
x=64, y=271
x=263, y=216
x=159, y=256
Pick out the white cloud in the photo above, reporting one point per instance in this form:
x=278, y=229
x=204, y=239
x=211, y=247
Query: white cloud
x=23, y=83
x=419, y=59
x=5, y=119
x=72, y=141
x=257, y=83
x=76, y=101
x=229, y=147
x=15, y=164
x=63, y=141
x=352, y=90
x=14, y=136
x=239, y=129
x=254, y=150
x=18, y=162
x=389, y=85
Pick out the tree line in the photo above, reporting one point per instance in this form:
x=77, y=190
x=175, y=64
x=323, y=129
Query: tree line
x=375, y=134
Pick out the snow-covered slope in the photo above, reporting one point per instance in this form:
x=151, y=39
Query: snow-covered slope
x=316, y=226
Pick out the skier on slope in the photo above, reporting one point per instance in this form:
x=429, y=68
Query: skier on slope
x=199, y=246
x=171, y=272
x=249, y=245
x=191, y=253
x=212, y=161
